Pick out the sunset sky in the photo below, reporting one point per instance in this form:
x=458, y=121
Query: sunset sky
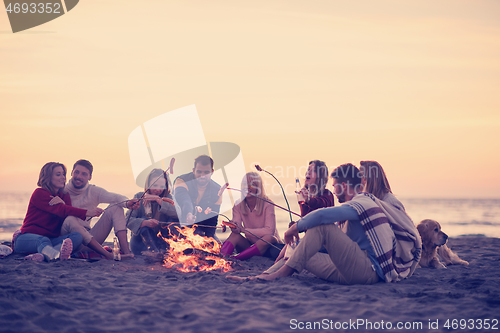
x=414, y=85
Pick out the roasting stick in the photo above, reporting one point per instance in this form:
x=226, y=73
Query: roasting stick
x=119, y=203
x=268, y=201
x=272, y=203
x=282, y=190
x=170, y=170
x=230, y=224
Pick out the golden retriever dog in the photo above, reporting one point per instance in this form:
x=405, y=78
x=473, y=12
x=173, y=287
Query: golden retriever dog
x=434, y=244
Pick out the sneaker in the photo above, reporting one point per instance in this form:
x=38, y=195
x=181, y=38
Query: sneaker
x=66, y=249
x=14, y=236
x=35, y=257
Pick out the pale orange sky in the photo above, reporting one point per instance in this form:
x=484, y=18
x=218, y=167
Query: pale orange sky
x=413, y=85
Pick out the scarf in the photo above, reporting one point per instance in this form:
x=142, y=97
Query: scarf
x=392, y=234
x=72, y=190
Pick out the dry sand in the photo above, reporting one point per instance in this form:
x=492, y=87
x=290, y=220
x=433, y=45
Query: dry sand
x=136, y=296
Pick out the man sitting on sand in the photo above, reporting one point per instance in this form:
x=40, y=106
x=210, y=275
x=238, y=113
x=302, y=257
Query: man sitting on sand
x=362, y=248
x=197, y=196
x=86, y=196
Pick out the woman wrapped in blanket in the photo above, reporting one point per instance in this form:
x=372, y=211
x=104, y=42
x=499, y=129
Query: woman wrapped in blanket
x=375, y=182
x=40, y=233
x=145, y=219
x=253, y=217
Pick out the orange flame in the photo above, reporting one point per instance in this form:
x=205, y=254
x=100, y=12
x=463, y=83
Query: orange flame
x=187, y=239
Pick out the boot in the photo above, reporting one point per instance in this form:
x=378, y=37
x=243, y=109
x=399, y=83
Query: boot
x=248, y=253
x=148, y=239
x=227, y=249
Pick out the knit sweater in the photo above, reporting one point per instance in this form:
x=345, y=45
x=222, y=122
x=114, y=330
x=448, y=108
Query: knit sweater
x=137, y=216
x=91, y=196
x=259, y=225
x=324, y=200
x=46, y=220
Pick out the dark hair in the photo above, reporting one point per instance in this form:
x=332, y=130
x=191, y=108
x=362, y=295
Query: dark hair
x=204, y=160
x=153, y=176
x=376, y=180
x=85, y=164
x=347, y=173
x=321, y=171
x=45, y=177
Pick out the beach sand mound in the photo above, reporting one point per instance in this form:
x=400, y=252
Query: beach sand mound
x=137, y=296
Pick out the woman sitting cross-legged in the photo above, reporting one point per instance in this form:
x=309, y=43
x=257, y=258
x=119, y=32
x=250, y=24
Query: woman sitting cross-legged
x=145, y=220
x=254, y=218
x=40, y=233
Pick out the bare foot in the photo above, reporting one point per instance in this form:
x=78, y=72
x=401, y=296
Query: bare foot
x=264, y=277
x=259, y=277
x=237, y=278
x=127, y=256
x=282, y=272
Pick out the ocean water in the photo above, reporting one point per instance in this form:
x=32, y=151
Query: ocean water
x=456, y=216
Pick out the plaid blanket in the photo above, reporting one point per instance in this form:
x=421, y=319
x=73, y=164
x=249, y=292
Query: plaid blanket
x=392, y=234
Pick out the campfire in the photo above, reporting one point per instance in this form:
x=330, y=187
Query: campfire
x=190, y=252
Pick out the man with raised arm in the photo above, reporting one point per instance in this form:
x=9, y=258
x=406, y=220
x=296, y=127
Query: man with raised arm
x=366, y=239
x=87, y=196
x=197, y=197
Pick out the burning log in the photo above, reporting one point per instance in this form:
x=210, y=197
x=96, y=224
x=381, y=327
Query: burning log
x=152, y=257
x=199, y=252
x=189, y=252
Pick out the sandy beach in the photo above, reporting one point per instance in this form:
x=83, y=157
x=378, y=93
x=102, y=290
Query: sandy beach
x=138, y=296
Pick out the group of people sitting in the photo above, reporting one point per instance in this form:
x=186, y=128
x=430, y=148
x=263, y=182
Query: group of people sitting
x=370, y=238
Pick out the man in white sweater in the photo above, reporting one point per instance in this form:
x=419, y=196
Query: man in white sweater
x=86, y=196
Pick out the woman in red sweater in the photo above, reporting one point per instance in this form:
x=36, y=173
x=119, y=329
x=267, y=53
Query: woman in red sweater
x=48, y=207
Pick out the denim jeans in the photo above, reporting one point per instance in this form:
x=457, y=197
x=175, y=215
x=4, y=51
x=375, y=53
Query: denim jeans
x=33, y=243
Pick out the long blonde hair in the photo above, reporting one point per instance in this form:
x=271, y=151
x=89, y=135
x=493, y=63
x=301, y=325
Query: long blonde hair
x=253, y=177
x=376, y=180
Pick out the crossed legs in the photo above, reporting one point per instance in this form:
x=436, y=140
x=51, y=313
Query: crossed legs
x=345, y=262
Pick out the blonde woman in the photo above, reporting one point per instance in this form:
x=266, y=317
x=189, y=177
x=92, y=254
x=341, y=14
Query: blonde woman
x=255, y=216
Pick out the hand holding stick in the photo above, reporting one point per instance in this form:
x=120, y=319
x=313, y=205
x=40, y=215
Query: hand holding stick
x=268, y=201
x=231, y=224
